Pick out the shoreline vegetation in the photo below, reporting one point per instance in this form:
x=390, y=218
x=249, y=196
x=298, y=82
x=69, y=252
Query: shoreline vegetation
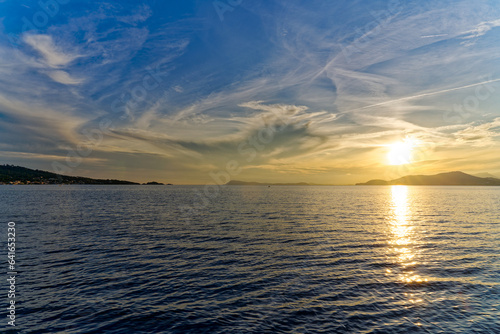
x=17, y=175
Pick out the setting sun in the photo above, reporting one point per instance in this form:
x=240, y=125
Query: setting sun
x=400, y=153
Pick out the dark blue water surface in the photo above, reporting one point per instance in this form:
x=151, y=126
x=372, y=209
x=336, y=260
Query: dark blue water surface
x=253, y=259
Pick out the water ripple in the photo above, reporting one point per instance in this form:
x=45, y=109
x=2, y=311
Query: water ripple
x=120, y=259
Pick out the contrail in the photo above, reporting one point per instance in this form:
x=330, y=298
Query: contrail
x=425, y=94
x=431, y=36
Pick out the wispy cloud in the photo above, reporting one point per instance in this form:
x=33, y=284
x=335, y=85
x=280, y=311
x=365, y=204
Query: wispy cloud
x=53, y=56
x=53, y=59
x=426, y=94
x=434, y=36
x=481, y=29
x=63, y=77
x=272, y=133
x=348, y=77
x=481, y=134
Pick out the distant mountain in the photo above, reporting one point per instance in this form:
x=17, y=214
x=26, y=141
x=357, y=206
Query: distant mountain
x=10, y=174
x=486, y=175
x=443, y=179
x=244, y=183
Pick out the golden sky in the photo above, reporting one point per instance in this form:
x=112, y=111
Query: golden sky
x=274, y=91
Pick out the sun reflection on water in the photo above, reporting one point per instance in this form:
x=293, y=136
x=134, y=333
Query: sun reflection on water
x=402, y=235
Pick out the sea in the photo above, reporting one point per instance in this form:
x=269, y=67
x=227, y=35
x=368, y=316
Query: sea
x=252, y=259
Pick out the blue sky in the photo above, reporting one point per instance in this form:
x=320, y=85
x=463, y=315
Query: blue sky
x=311, y=91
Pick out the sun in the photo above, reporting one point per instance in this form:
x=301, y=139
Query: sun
x=401, y=153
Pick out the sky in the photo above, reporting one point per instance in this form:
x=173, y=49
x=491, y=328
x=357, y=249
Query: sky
x=199, y=92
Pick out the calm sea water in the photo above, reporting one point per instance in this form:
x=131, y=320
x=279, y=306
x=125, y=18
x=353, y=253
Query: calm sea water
x=126, y=259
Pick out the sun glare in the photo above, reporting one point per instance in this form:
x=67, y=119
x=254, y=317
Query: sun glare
x=401, y=153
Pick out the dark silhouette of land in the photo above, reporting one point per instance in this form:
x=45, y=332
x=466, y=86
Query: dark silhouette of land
x=10, y=174
x=443, y=179
x=244, y=183
x=486, y=175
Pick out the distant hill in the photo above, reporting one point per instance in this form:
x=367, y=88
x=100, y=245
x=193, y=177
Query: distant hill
x=10, y=174
x=486, y=175
x=244, y=183
x=443, y=179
